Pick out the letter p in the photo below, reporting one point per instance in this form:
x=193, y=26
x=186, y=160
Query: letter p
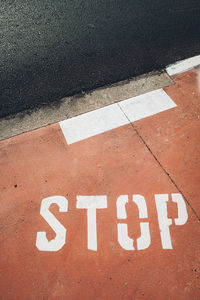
x=164, y=222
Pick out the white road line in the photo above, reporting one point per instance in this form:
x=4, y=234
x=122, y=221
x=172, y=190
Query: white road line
x=146, y=105
x=111, y=117
x=183, y=65
x=93, y=123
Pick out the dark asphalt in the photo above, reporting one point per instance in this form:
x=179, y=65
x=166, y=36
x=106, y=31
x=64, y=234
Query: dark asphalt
x=51, y=49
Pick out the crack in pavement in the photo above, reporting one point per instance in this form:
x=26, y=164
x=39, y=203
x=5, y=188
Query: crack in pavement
x=161, y=166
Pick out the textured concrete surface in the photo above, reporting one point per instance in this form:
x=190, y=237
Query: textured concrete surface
x=114, y=216
x=179, y=132
x=82, y=103
x=52, y=49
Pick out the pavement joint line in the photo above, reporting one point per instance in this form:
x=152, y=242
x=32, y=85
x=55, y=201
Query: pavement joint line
x=161, y=166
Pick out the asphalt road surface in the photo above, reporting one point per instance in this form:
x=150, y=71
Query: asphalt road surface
x=50, y=49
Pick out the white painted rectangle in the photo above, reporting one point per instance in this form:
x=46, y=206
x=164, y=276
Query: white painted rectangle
x=183, y=65
x=146, y=105
x=115, y=115
x=93, y=123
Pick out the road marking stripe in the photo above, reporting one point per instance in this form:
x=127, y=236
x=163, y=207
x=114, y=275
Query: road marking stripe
x=183, y=65
x=111, y=117
x=146, y=105
x=93, y=123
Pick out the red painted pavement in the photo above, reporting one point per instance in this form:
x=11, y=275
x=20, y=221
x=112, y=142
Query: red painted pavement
x=40, y=164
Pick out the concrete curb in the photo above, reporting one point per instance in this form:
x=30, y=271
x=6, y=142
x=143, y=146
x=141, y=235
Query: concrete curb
x=72, y=106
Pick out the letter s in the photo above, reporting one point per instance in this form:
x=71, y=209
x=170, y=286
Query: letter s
x=59, y=241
